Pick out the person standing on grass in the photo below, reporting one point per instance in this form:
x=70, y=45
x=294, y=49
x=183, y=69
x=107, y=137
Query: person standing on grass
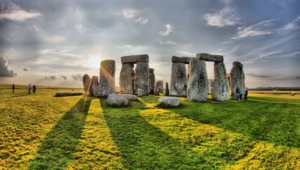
x=237, y=91
x=29, y=88
x=13, y=88
x=34, y=88
x=246, y=94
x=293, y=93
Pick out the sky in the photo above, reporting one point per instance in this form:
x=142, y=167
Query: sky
x=54, y=43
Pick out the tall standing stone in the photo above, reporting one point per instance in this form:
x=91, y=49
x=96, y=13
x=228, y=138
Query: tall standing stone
x=126, y=76
x=160, y=86
x=167, y=90
x=141, y=77
x=151, y=80
x=220, y=85
x=197, y=88
x=107, y=78
x=178, y=80
x=237, y=78
x=87, y=85
x=95, y=85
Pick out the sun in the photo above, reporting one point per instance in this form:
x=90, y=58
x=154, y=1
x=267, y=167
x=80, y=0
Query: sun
x=93, y=62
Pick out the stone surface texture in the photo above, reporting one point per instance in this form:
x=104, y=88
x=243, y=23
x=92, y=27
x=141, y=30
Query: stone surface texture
x=220, y=86
x=197, y=88
x=160, y=86
x=178, y=80
x=168, y=101
x=107, y=78
x=87, y=84
x=184, y=60
x=125, y=80
x=151, y=80
x=129, y=96
x=142, y=76
x=209, y=57
x=117, y=100
x=237, y=78
x=135, y=58
x=95, y=85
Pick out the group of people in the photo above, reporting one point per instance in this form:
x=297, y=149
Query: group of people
x=33, y=88
x=240, y=94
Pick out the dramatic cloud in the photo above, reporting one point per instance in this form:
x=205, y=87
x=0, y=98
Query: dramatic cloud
x=25, y=69
x=4, y=68
x=64, y=77
x=261, y=28
x=13, y=12
x=77, y=77
x=225, y=17
x=168, y=30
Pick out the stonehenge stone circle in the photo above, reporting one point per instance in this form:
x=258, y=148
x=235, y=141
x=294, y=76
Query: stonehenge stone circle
x=168, y=102
x=95, y=85
x=197, y=87
x=126, y=76
x=141, y=77
x=209, y=57
x=237, y=78
x=107, y=78
x=151, y=80
x=167, y=92
x=220, y=86
x=87, y=84
x=178, y=80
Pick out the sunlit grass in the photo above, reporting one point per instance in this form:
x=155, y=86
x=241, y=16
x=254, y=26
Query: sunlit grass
x=44, y=132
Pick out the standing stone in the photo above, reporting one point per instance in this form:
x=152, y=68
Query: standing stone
x=237, y=77
x=87, y=85
x=107, y=78
x=156, y=90
x=95, y=85
x=151, y=80
x=197, y=88
x=142, y=76
x=167, y=90
x=126, y=76
x=160, y=86
x=220, y=85
x=178, y=80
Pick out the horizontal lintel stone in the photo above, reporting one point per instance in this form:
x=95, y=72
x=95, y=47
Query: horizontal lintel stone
x=135, y=58
x=209, y=57
x=184, y=60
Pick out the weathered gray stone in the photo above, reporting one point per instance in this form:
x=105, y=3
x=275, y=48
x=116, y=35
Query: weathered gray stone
x=237, y=78
x=220, y=84
x=62, y=94
x=87, y=84
x=156, y=90
x=178, y=80
x=135, y=58
x=209, y=57
x=129, y=97
x=151, y=80
x=142, y=76
x=126, y=77
x=184, y=60
x=95, y=85
x=168, y=101
x=197, y=88
x=140, y=92
x=160, y=86
x=116, y=100
x=167, y=92
x=107, y=78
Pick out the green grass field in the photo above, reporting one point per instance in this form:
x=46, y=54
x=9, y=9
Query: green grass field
x=40, y=131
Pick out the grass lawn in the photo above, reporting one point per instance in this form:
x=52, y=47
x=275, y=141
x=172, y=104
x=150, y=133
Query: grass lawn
x=40, y=131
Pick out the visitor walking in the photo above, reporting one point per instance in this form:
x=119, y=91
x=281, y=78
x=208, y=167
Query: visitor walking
x=29, y=88
x=237, y=91
x=293, y=93
x=13, y=88
x=246, y=94
x=34, y=88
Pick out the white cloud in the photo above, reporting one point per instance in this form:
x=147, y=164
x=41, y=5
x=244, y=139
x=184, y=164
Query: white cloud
x=142, y=20
x=168, y=42
x=186, y=53
x=262, y=56
x=295, y=24
x=225, y=17
x=168, y=30
x=129, y=13
x=289, y=55
x=13, y=12
x=261, y=28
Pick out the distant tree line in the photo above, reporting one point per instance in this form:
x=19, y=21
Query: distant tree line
x=275, y=88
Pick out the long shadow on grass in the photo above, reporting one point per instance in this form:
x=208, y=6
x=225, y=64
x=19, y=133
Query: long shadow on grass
x=60, y=143
x=144, y=146
x=264, y=121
